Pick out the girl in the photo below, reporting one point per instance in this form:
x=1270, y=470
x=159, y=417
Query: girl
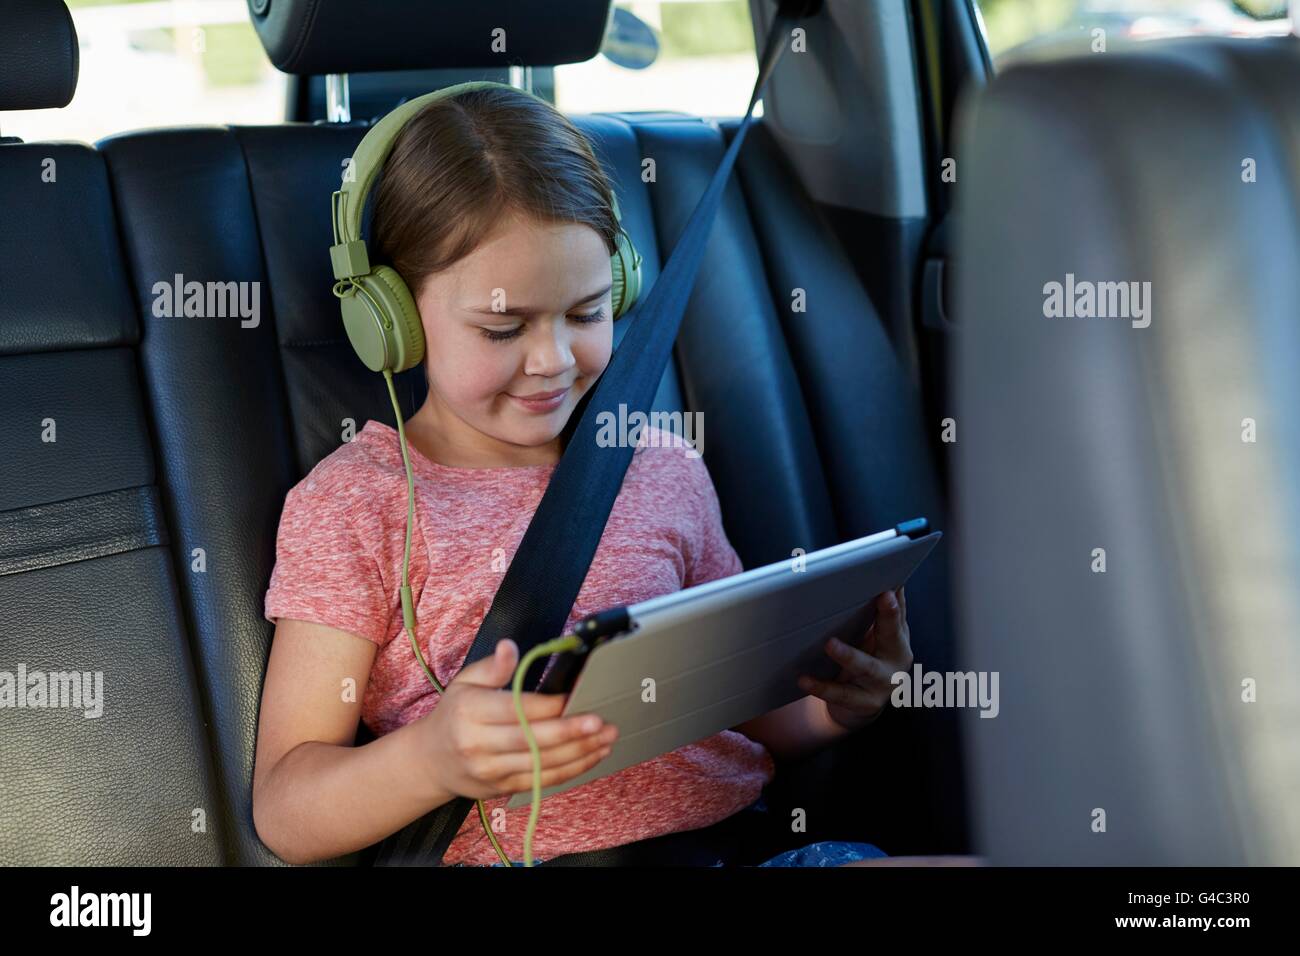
x=495, y=211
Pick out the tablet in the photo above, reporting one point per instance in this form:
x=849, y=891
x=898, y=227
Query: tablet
x=681, y=667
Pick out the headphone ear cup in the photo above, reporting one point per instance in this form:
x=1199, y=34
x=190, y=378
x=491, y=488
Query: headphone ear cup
x=626, y=267
x=383, y=323
x=407, y=328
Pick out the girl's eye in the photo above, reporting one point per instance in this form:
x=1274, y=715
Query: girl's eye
x=494, y=335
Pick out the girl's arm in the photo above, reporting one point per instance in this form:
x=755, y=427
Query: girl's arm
x=315, y=794
x=795, y=730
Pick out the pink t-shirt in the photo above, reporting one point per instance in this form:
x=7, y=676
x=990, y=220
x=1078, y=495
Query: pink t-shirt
x=339, y=562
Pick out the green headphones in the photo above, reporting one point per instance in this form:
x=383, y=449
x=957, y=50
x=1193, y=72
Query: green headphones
x=379, y=312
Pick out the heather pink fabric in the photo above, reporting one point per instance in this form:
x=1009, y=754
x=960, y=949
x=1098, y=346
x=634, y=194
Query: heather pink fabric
x=339, y=562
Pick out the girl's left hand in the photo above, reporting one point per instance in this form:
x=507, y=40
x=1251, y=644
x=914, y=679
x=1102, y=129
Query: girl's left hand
x=863, y=686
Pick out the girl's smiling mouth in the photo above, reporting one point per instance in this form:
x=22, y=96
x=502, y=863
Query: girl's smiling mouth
x=542, y=401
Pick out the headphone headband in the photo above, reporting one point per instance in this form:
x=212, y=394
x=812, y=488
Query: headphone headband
x=367, y=160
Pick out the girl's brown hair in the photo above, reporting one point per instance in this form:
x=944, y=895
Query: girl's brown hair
x=463, y=162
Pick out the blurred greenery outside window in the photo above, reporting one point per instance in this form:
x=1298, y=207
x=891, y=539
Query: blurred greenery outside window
x=229, y=54
x=1017, y=30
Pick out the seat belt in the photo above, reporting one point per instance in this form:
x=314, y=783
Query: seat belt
x=542, y=583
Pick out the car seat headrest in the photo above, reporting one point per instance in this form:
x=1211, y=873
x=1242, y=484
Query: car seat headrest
x=351, y=36
x=38, y=55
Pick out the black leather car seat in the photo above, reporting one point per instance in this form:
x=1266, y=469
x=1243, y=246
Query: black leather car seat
x=103, y=733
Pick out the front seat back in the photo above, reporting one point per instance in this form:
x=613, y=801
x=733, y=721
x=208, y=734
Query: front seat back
x=1130, y=469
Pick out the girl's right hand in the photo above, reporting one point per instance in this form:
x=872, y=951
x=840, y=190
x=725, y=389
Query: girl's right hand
x=477, y=747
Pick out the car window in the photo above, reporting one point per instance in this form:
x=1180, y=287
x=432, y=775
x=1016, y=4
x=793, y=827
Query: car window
x=705, y=63
x=149, y=63
x=1038, y=29
x=160, y=63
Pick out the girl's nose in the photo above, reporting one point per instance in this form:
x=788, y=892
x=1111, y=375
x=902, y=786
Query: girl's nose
x=551, y=353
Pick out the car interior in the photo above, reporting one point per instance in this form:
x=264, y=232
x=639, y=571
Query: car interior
x=140, y=541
